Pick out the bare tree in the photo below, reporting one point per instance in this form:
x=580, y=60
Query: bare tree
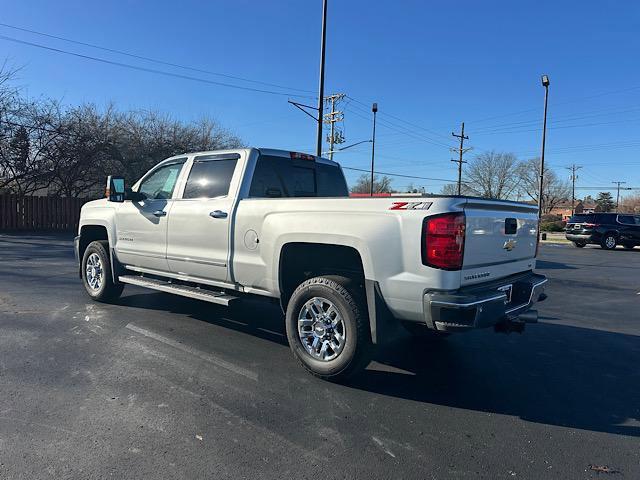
x=49, y=148
x=630, y=204
x=555, y=190
x=380, y=184
x=491, y=175
x=452, y=189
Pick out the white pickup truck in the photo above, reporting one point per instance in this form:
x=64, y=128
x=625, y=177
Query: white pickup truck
x=218, y=226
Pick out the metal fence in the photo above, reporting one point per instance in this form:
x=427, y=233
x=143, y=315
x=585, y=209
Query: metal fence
x=19, y=212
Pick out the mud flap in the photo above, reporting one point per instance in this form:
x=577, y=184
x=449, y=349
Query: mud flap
x=382, y=323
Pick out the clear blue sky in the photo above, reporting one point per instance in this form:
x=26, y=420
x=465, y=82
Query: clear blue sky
x=431, y=64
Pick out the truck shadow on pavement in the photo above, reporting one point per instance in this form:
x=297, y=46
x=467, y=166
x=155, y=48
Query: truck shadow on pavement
x=552, y=374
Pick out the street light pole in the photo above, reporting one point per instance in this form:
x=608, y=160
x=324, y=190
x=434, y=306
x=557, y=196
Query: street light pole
x=321, y=81
x=545, y=84
x=374, y=109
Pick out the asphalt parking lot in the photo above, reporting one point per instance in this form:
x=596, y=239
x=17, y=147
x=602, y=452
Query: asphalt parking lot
x=158, y=386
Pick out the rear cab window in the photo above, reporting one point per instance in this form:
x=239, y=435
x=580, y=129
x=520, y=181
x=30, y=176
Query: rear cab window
x=629, y=219
x=582, y=218
x=210, y=176
x=276, y=176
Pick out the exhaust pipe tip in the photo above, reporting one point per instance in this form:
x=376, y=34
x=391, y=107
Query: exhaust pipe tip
x=530, y=316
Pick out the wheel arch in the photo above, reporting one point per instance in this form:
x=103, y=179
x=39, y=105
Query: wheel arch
x=97, y=230
x=299, y=261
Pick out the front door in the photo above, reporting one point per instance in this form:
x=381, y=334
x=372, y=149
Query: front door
x=198, y=233
x=142, y=226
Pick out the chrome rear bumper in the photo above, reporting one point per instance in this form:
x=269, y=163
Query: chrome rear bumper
x=485, y=306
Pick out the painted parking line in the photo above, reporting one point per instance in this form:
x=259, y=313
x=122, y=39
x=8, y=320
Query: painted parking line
x=202, y=355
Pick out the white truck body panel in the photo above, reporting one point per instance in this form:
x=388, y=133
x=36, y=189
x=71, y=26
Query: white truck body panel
x=242, y=251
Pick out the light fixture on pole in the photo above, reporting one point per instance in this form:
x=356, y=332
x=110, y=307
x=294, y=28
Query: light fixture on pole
x=545, y=84
x=374, y=109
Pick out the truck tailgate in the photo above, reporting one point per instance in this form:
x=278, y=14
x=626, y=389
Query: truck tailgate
x=500, y=239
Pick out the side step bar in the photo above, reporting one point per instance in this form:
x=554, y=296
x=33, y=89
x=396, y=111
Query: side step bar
x=219, y=298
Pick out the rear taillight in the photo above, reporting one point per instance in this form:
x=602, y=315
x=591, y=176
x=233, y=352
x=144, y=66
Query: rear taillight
x=589, y=225
x=443, y=241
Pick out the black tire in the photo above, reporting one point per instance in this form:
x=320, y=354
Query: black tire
x=609, y=241
x=580, y=244
x=349, y=301
x=421, y=331
x=107, y=291
x=629, y=246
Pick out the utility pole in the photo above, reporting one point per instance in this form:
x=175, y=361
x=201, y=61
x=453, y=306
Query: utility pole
x=461, y=151
x=331, y=118
x=574, y=168
x=618, y=196
x=321, y=80
x=374, y=110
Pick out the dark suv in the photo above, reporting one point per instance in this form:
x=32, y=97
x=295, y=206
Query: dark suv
x=605, y=229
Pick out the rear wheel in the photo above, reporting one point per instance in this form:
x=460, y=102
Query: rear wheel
x=579, y=244
x=609, y=241
x=96, y=273
x=327, y=327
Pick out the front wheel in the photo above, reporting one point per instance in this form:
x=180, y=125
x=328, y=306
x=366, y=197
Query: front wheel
x=327, y=327
x=96, y=273
x=609, y=241
x=579, y=244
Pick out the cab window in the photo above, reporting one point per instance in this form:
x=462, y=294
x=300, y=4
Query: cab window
x=162, y=181
x=210, y=177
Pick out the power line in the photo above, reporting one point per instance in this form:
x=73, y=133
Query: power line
x=398, y=175
x=402, y=120
x=153, y=60
x=152, y=70
x=399, y=128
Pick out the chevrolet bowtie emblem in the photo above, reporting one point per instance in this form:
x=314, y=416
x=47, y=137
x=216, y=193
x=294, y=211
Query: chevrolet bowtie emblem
x=509, y=245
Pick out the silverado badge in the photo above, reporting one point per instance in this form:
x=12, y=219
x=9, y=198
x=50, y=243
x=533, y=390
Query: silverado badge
x=509, y=245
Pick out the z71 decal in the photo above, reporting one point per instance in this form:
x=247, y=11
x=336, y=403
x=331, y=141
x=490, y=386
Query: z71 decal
x=410, y=205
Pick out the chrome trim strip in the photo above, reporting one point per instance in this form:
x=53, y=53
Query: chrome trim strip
x=191, y=260
x=185, y=278
x=131, y=252
x=533, y=289
x=470, y=304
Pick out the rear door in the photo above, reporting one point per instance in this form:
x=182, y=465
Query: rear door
x=500, y=239
x=199, y=224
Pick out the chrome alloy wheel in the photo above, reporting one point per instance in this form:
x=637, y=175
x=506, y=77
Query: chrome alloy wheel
x=94, y=271
x=610, y=241
x=321, y=329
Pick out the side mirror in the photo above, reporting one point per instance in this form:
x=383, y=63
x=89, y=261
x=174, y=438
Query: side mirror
x=115, y=189
x=134, y=196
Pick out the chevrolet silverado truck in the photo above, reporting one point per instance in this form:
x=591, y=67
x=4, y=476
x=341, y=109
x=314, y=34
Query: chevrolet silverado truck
x=223, y=225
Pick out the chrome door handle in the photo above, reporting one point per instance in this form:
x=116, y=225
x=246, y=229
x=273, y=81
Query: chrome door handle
x=218, y=214
x=160, y=213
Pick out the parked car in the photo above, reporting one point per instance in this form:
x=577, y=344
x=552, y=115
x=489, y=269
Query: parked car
x=220, y=226
x=605, y=229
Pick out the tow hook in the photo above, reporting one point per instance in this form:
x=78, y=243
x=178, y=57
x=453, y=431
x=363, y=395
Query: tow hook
x=516, y=324
x=508, y=325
